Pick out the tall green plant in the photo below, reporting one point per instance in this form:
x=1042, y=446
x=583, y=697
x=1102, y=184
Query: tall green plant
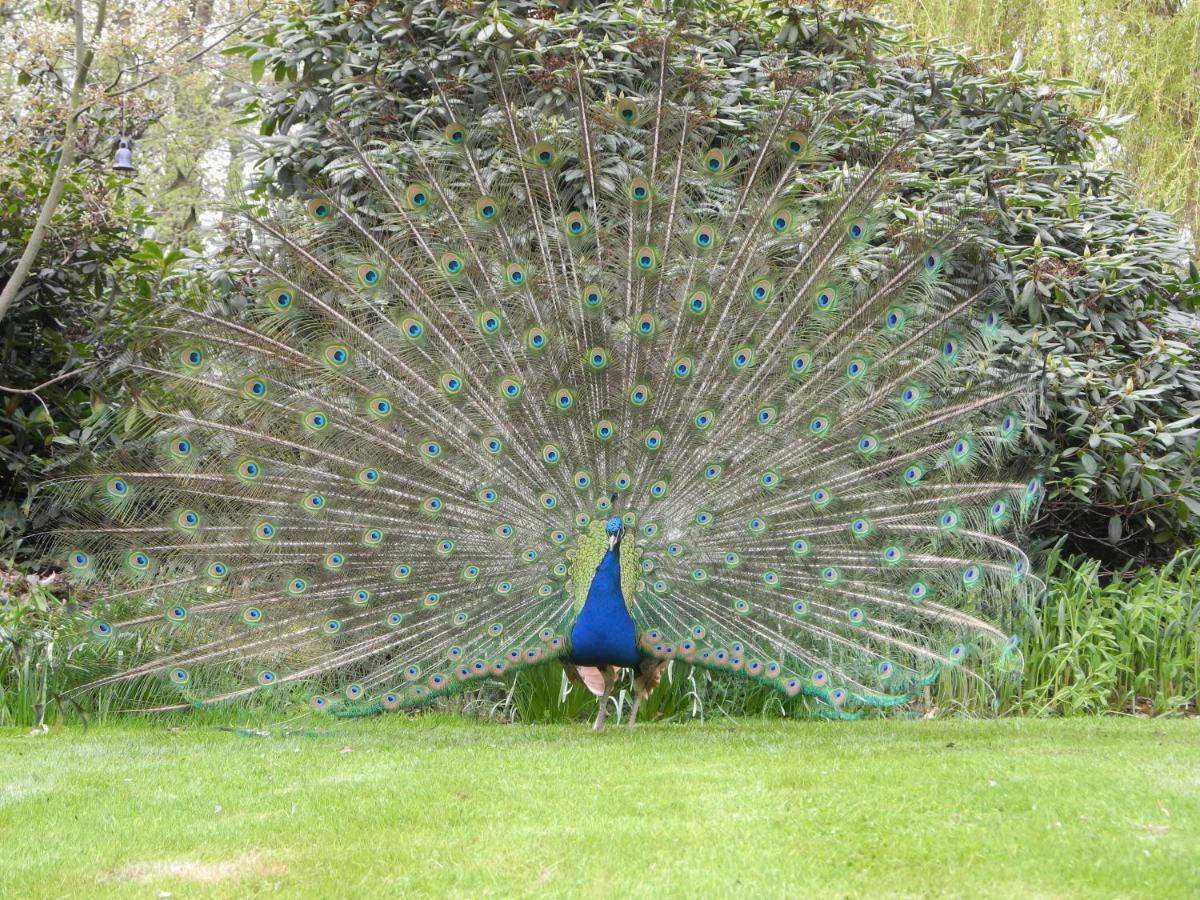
x=1139, y=57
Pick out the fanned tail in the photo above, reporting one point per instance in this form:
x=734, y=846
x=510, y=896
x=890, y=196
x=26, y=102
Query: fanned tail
x=799, y=399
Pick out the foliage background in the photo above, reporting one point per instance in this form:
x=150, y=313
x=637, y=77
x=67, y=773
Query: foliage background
x=1097, y=280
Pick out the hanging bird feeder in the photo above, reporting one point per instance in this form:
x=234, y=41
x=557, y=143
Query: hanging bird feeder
x=123, y=159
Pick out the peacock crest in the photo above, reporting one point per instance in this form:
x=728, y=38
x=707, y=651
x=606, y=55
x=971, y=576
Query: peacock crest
x=392, y=474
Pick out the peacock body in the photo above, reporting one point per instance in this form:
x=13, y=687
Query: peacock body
x=616, y=387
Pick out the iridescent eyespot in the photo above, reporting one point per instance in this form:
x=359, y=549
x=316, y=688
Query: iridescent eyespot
x=801, y=363
x=551, y=454
x=794, y=143
x=543, y=154
x=102, y=629
x=535, y=338
x=455, y=134
x=713, y=471
x=893, y=555
x=913, y=474
x=117, y=487
x=138, y=560
x=715, y=162
x=509, y=388
x=704, y=419
x=605, y=429
x=800, y=547
x=761, y=290
x=948, y=520
x=627, y=110
x=597, y=358
x=742, y=357
x=563, y=399
x=266, y=677
x=575, y=225
x=488, y=322
x=401, y=572
x=417, y=196
x=451, y=383
x=452, y=264
x=515, y=274
x=757, y=525
x=704, y=237
x=592, y=296
x=867, y=444
x=895, y=318
x=646, y=259
x=337, y=355
x=819, y=425
x=254, y=388
x=368, y=477
x=432, y=504
x=412, y=329
x=782, y=221
x=369, y=275
x=639, y=395
x=181, y=448
x=491, y=445
x=821, y=498
x=192, y=357
x=372, y=537
x=280, y=299
x=856, y=229
x=856, y=368
x=487, y=209
x=932, y=260
x=334, y=561
x=698, y=301
x=488, y=495
x=658, y=490
x=316, y=420
x=652, y=440
x=297, y=586
x=766, y=415
x=318, y=210
x=264, y=531
x=177, y=613
x=360, y=597
x=741, y=606
x=179, y=676
x=640, y=190
x=825, y=299
x=217, y=569
x=380, y=407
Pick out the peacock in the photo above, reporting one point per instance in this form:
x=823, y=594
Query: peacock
x=612, y=382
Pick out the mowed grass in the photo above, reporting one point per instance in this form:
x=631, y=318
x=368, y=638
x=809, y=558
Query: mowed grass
x=440, y=806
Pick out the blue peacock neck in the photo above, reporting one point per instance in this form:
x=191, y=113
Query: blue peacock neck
x=603, y=633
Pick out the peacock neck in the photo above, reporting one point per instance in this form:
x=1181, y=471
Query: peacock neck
x=603, y=633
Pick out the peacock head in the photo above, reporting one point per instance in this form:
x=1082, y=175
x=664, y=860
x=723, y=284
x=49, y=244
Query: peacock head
x=615, y=529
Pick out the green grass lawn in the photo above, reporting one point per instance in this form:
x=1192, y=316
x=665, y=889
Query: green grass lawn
x=443, y=806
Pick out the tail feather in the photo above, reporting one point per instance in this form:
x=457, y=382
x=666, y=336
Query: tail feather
x=377, y=478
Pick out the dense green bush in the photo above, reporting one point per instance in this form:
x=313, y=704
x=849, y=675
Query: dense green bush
x=70, y=322
x=1099, y=286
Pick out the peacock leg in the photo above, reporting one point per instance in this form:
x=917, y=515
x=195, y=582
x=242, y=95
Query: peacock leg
x=610, y=678
x=643, y=686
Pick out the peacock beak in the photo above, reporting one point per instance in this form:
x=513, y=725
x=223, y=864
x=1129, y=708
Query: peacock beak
x=614, y=540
